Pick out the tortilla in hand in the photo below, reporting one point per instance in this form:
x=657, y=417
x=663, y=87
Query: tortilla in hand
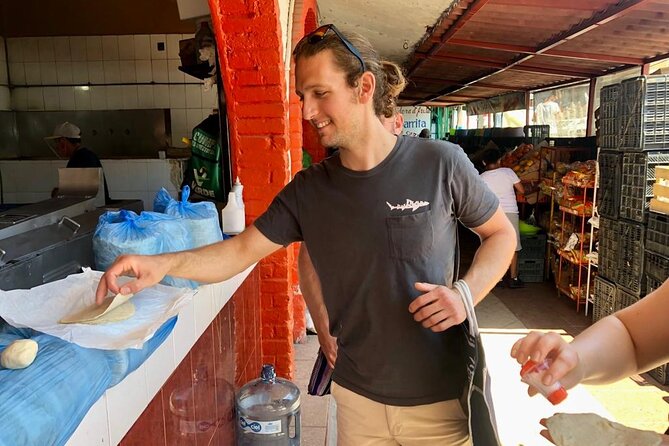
x=112, y=310
x=579, y=429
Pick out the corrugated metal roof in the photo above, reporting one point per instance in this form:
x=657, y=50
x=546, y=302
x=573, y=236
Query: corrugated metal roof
x=483, y=48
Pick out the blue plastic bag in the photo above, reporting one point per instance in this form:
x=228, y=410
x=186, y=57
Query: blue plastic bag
x=125, y=232
x=162, y=199
x=201, y=218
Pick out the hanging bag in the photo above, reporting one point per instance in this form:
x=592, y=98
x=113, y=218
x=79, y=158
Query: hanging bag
x=321, y=376
x=477, y=397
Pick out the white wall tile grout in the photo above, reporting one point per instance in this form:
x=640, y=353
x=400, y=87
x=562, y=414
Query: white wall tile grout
x=145, y=66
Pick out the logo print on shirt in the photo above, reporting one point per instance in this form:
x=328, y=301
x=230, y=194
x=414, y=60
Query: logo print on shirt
x=410, y=204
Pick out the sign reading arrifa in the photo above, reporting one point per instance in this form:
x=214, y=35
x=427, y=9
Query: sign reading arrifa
x=415, y=119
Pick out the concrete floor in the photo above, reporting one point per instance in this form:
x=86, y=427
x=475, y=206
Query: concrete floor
x=505, y=316
x=314, y=408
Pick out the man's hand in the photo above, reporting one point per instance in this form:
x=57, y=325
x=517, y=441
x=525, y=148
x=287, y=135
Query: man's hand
x=148, y=271
x=328, y=346
x=439, y=309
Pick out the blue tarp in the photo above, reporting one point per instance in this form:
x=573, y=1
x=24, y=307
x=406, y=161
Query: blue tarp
x=44, y=403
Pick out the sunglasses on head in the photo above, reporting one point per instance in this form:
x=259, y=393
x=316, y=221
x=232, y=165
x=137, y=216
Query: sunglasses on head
x=320, y=33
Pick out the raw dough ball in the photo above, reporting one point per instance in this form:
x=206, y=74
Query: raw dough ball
x=19, y=354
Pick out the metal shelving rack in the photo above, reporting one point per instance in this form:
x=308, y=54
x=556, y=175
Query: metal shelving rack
x=594, y=225
x=577, y=217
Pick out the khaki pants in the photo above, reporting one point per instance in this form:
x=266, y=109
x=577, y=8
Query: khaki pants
x=363, y=422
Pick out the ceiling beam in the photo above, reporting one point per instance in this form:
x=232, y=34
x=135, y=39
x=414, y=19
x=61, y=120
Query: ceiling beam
x=468, y=96
x=656, y=58
x=562, y=4
x=610, y=14
x=501, y=65
x=555, y=53
x=455, y=27
x=493, y=46
x=432, y=80
x=609, y=58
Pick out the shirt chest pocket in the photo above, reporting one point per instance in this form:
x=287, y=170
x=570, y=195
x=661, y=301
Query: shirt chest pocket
x=410, y=237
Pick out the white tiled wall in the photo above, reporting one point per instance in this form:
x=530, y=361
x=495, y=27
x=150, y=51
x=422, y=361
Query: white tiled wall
x=30, y=181
x=104, y=73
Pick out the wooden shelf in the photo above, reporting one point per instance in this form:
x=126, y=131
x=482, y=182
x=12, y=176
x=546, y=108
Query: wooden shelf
x=568, y=182
x=570, y=260
x=574, y=212
x=567, y=292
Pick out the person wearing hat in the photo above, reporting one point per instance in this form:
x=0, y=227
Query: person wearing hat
x=68, y=145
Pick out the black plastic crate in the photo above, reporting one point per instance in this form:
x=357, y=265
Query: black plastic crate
x=652, y=284
x=604, y=298
x=608, y=248
x=659, y=374
x=643, y=111
x=536, y=133
x=656, y=266
x=625, y=299
x=534, y=247
x=631, y=239
x=609, y=122
x=531, y=271
x=636, y=185
x=608, y=194
x=657, y=233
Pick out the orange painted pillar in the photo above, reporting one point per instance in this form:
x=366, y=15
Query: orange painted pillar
x=248, y=37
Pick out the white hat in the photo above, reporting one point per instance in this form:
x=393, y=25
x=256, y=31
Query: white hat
x=66, y=130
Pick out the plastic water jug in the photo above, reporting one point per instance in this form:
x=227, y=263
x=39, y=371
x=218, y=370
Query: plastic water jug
x=268, y=411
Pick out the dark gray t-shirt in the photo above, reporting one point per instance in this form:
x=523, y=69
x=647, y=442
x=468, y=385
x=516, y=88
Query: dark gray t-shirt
x=371, y=236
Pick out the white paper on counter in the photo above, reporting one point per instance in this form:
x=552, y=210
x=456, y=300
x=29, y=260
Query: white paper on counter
x=41, y=308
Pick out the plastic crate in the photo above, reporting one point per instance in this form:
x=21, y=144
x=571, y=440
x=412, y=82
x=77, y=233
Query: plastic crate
x=656, y=266
x=608, y=248
x=625, y=299
x=609, y=122
x=604, y=298
x=657, y=233
x=638, y=177
x=631, y=239
x=531, y=271
x=608, y=194
x=652, y=284
x=659, y=374
x=536, y=133
x=643, y=111
x=534, y=247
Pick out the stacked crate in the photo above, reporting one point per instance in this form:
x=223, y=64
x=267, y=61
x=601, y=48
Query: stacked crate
x=531, y=258
x=656, y=265
x=634, y=249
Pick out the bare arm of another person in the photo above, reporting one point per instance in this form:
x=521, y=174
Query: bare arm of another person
x=633, y=340
x=519, y=187
x=310, y=285
x=211, y=263
x=441, y=307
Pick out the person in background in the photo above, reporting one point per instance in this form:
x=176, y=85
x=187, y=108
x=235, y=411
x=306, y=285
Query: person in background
x=505, y=183
x=380, y=220
x=631, y=341
x=425, y=133
x=548, y=113
x=310, y=285
x=67, y=138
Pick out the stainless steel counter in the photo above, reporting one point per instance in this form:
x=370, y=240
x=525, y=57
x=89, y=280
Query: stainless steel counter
x=54, y=250
x=25, y=218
